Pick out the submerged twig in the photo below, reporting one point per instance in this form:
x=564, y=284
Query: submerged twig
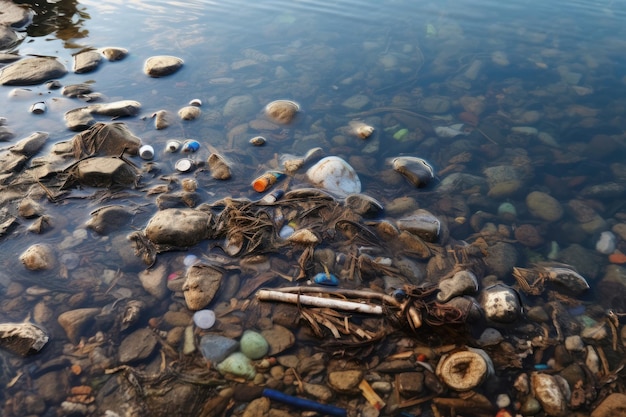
x=270, y=295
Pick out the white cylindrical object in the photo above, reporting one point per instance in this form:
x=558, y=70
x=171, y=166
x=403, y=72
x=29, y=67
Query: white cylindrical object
x=146, y=152
x=172, y=146
x=38, y=108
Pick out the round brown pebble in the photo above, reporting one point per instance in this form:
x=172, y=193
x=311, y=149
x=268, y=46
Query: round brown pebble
x=528, y=235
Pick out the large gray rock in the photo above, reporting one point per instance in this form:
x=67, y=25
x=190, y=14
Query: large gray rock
x=215, y=348
x=108, y=218
x=110, y=139
x=137, y=346
x=86, y=61
x=30, y=71
x=105, y=172
x=178, y=227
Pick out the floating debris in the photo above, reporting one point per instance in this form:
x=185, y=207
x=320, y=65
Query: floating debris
x=266, y=181
x=334, y=175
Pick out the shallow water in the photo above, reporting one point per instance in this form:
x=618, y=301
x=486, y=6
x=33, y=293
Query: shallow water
x=557, y=67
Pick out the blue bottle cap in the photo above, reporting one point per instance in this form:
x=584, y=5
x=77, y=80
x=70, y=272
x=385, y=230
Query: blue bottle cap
x=191, y=146
x=323, y=278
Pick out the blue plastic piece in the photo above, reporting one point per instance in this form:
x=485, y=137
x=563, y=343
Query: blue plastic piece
x=305, y=404
x=191, y=146
x=541, y=367
x=399, y=294
x=326, y=279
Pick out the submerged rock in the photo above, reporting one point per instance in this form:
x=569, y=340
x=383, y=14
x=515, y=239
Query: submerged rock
x=500, y=303
x=548, y=391
x=108, y=218
x=30, y=71
x=86, y=61
x=544, y=206
x=22, y=338
x=8, y=38
x=423, y=224
x=162, y=65
x=201, y=284
x=463, y=282
x=137, y=346
x=239, y=106
x=114, y=53
x=38, y=257
x=216, y=348
x=120, y=108
x=282, y=111
x=178, y=227
x=102, y=139
x=416, y=170
x=154, y=281
x=74, y=322
x=104, y=172
x=504, y=180
x=189, y=112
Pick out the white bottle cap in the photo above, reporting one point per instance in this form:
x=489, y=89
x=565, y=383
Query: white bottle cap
x=146, y=152
x=183, y=165
x=172, y=146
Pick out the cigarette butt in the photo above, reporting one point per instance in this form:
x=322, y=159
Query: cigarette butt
x=371, y=396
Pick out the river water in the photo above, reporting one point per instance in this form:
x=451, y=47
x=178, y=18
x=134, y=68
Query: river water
x=535, y=90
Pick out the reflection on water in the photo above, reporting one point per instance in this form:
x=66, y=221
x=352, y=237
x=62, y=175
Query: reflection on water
x=519, y=108
x=65, y=19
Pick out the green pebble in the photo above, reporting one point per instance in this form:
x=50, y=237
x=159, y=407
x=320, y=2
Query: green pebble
x=237, y=364
x=507, y=209
x=401, y=134
x=253, y=345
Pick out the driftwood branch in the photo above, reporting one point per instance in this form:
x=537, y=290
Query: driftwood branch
x=271, y=295
x=369, y=295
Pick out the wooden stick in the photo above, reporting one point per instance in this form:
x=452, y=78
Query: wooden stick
x=370, y=295
x=270, y=295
